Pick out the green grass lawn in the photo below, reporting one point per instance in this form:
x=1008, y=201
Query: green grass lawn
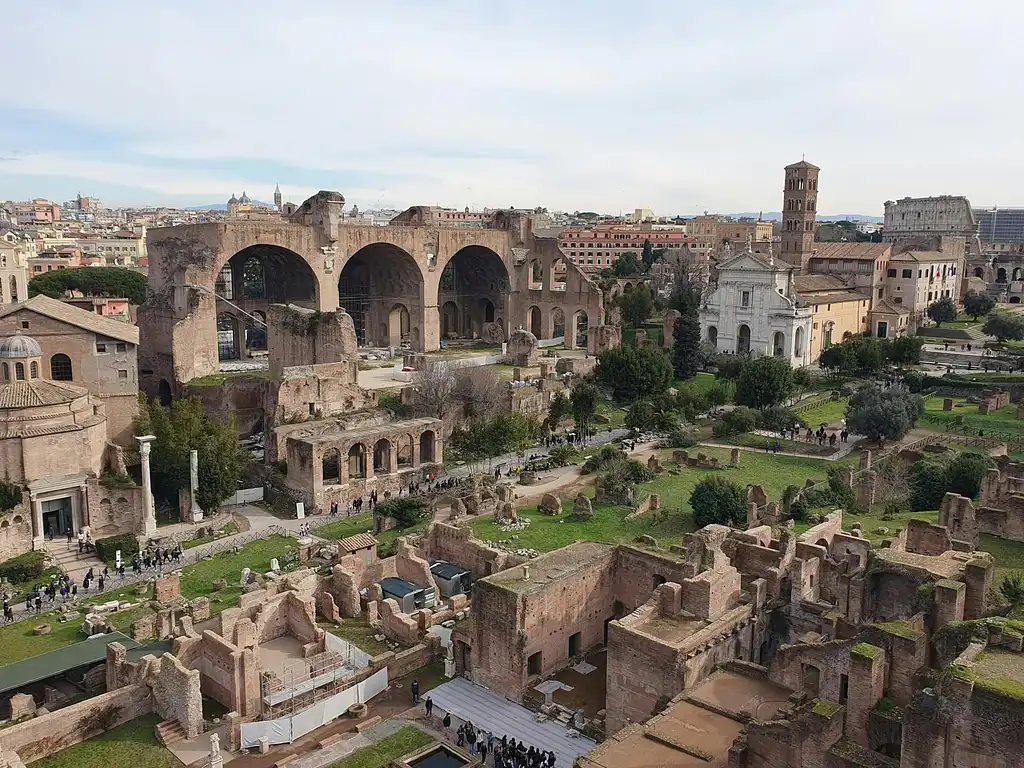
x=1009, y=555
x=131, y=744
x=359, y=633
x=227, y=530
x=870, y=522
x=346, y=527
x=802, y=447
x=700, y=383
x=830, y=413
x=388, y=749
x=966, y=414
x=616, y=416
x=17, y=641
x=608, y=524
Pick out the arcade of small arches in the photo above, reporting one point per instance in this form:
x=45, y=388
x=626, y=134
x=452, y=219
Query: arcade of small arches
x=779, y=346
x=349, y=459
x=382, y=287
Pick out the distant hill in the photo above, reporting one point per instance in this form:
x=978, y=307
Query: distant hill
x=777, y=216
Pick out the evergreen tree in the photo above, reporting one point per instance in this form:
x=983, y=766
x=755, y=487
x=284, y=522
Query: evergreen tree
x=686, y=353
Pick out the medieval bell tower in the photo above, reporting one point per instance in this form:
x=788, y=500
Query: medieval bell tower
x=799, y=212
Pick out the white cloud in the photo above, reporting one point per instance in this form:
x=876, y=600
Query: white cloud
x=674, y=106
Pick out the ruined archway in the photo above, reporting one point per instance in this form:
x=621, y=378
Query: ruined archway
x=427, y=446
x=164, y=392
x=248, y=283
x=557, y=323
x=228, y=347
x=534, y=321
x=357, y=461
x=582, y=326
x=559, y=275
x=375, y=280
x=449, y=319
x=382, y=456
x=476, y=281
x=399, y=325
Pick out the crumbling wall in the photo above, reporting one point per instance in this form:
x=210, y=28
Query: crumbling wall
x=16, y=530
x=456, y=545
x=48, y=734
x=177, y=693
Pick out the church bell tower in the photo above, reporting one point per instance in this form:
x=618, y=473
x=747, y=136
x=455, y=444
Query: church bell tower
x=799, y=213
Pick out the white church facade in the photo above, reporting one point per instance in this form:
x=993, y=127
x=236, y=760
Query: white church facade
x=754, y=310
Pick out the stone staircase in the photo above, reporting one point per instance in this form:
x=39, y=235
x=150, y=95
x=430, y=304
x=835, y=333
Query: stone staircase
x=169, y=732
x=73, y=564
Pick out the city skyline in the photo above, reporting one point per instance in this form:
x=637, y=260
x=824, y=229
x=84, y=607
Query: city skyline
x=677, y=109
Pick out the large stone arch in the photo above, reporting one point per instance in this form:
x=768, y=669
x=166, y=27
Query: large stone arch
x=248, y=282
x=477, y=281
x=375, y=279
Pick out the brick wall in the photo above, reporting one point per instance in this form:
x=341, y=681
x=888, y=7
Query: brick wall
x=15, y=531
x=43, y=736
x=113, y=510
x=176, y=694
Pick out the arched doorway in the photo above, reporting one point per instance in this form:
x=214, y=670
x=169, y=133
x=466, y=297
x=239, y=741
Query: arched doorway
x=1001, y=275
x=713, y=336
x=399, y=325
x=164, y=392
x=534, y=322
x=252, y=280
x=743, y=340
x=582, y=327
x=357, y=461
x=382, y=456
x=227, y=337
x=779, y=344
x=979, y=272
x=1015, y=299
x=375, y=280
x=476, y=280
x=557, y=323
x=427, y=447
x=449, y=319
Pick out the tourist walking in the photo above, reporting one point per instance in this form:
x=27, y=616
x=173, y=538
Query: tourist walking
x=429, y=707
x=415, y=691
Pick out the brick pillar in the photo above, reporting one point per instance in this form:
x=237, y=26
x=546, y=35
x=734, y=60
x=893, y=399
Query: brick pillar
x=909, y=653
x=949, y=602
x=867, y=684
x=978, y=575
x=866, y=488
x=393, y=459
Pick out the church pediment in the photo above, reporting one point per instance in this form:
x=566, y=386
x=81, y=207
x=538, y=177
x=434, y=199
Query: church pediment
x=748, y=262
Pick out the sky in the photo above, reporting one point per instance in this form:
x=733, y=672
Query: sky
x=678, y=106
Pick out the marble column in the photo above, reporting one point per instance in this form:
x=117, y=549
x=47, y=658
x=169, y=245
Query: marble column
x=193, y=465
x=38, y=539
x=148, y=507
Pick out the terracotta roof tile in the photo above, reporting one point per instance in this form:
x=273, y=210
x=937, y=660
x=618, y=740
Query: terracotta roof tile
x=855, y=251
x=359, y=541
x=66, y=313
x=29, y=394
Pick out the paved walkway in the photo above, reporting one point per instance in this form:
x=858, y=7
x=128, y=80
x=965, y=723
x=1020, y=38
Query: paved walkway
x=497, y=715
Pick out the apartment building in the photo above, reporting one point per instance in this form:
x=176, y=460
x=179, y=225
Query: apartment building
x=36, y=211
x=596, y=248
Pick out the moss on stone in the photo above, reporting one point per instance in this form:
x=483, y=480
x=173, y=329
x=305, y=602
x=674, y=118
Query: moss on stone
x=866, y=651
x=827, y=709
x=899, y=629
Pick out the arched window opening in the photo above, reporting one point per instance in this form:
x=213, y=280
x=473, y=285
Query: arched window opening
x=330, y=467
x=60, y=368
x=19, y=371
x=427, y=447
x=33, y=370
x=357, y=461
x=713, y=336
x=743, y=340
x=382, y=456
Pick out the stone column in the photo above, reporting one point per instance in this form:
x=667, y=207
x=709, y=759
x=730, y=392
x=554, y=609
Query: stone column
x=193, y=465
x=38, y=539
x=416, y=452
x=148, y=508
x=866, y=688
x=393, y=459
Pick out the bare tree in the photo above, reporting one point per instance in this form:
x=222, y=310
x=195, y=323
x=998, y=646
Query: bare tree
x=435, y=390
x=479, y=391
x=893, y=486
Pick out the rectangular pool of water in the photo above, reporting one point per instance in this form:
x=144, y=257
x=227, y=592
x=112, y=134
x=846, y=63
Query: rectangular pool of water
x=439, y=756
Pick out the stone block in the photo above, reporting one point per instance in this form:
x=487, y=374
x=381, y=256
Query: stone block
x=582, y=509
x=22, y=706
x=167, y=589
x=734, y=457
x=550, y=504
x=199, y=609
x=947, y=404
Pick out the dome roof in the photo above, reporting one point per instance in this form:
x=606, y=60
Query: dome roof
x=27, y=394
x=244, y=199
x=19, y=346
x=233, y=200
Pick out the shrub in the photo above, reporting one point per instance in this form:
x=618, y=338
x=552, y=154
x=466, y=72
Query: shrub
x=779, y=419
x=717, y=500
x=393, y=403
x=1012, y=588
x=10, y=495
x=966, y=474
x=604, y=458
x=740, y=419
x=406, y=511
x=106, y=549
x=25, y=567
x=679, y=438
x=562, y=455
x=928, y=485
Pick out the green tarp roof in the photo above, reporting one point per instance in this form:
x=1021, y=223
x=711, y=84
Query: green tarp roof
x=85, y=653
